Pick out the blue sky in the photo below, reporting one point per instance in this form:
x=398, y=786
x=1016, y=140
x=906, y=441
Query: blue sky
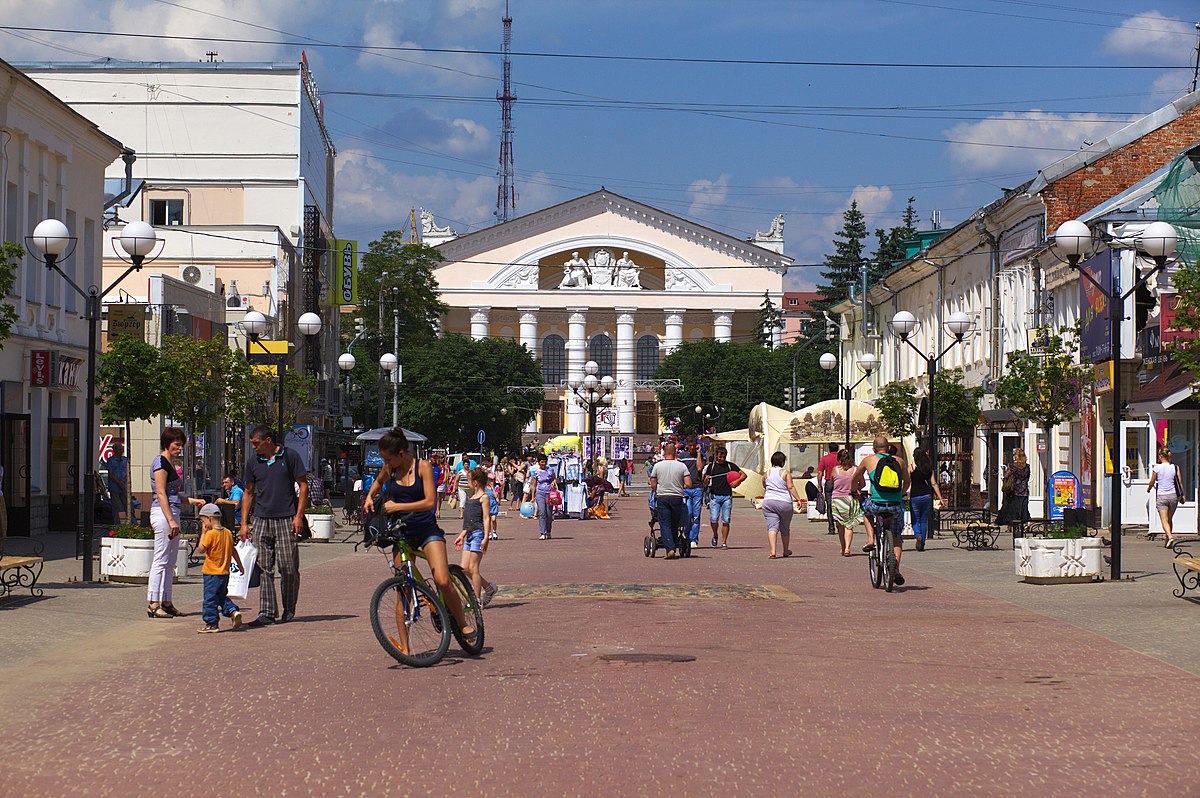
x=729, y=145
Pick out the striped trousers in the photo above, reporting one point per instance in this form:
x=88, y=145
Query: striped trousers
x=277, y=548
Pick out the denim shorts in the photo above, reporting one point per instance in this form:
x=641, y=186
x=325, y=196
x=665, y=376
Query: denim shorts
x=720, y=508
x=419, y=538
x=474, y=541
x=894, y=509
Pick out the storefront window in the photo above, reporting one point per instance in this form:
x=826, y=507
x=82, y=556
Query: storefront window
x=1181, y=440
x=1138, y=457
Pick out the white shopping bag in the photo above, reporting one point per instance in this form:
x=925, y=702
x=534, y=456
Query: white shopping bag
x=239, y=578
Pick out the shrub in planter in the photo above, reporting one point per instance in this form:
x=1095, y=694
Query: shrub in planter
x=1060, y=532
x=322, y=509
x=131, y=532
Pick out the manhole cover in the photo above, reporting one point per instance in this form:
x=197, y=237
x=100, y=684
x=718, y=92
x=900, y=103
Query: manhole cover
x=647, y=657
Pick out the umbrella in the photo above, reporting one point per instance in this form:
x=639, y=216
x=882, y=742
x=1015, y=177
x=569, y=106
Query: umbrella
x=373, y=435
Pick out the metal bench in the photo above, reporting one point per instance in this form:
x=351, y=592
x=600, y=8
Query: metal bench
x=973, y=529
x=20, y=570
x=1187, y=570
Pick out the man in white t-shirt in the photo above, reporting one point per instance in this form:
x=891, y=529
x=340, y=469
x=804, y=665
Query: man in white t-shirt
x=668, y=481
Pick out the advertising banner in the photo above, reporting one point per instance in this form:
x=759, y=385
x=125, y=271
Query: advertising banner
x=39, y=368
x=1064, y=493
x=1094, y=343
x=344, y=290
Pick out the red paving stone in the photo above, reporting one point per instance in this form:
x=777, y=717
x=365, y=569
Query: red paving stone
x=932, y=690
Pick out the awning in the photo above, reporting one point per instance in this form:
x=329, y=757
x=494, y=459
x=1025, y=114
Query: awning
x=999, y=417
x=731, y=435
x=1171, y=387
x=373, y=435
x=825, y=422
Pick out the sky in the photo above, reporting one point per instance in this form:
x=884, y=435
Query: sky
x=945, y=101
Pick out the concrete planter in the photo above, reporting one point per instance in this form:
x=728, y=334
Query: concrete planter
x=321, y=526
x=128, y=560
x=1052, y=562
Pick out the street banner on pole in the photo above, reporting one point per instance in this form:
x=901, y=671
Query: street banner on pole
x=344, y=290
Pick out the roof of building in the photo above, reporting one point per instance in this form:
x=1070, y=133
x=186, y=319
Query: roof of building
x=113, y=64
x=1171, y=386
x=83, y=120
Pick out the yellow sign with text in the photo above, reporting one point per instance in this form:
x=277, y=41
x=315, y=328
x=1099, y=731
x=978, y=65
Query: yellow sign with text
x=344, y=290
x=1102, y=377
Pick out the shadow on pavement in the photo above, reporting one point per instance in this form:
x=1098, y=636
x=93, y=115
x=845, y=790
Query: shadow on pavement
x=313, y=618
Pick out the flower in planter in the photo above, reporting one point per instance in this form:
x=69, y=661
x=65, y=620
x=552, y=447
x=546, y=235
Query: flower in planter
x=131, y=532
x=320, y=510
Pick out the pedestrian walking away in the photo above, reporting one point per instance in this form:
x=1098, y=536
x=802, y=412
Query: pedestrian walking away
x=693, y=496
x=780, y=500
x=273, y=504
x=165, y=505
x=721, y=477
x=216, y=544
x=668, y=482
x=923, y=488
x=845, y=508
x=880, y=469
x=825, y=468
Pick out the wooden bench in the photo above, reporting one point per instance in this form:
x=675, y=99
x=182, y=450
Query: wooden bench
x=975, y=535
x=1187, y=570
x=20, y=570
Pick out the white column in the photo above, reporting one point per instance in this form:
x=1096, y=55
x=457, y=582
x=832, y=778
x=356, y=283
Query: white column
x=529, y=338
x=576, y=357
x=626, y=370
x=674, y=330
x=723, y=325
x=480, y=316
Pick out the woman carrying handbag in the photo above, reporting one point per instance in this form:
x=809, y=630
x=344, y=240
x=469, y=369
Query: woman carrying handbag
x=1166, y=478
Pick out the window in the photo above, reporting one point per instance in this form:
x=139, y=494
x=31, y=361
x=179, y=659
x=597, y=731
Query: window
x=552, y=418
x=646, y=418
x=793, y=301
x=601, y=351
x=554, y=360
x=166, y=212
x=647, y=357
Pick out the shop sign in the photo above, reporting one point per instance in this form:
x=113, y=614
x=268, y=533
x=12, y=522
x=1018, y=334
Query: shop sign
x=64, y=371
x=1038, y=342
x=1102, y=377
x=1168, y=308
x=128, y=320
x=39, y=368
x=345, y=284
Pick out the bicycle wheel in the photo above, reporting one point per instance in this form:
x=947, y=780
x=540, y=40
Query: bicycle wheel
x=400, y=603
x=874, y=566
x=472, y=611
x=888, y=558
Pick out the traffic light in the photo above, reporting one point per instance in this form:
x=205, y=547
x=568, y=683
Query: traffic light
x=831, y=329
x=800, y=393
x=788, y=399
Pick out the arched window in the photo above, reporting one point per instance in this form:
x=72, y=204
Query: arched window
x=601, y=351
x=554, y=359
x=647, y=357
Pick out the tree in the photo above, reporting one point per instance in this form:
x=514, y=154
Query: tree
x=299, y=395
x=738, y=376
x=897, y=406
x=770, y=319
x=957, y=406
x=454, y=386
x=10, y=259
x=1186, y=351
x=1045, y=390
x=130, y=382
x=843, y=268
x=890, y=249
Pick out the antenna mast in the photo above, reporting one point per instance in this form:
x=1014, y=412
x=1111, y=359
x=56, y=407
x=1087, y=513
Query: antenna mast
x=1195, y=67
x=506, y=192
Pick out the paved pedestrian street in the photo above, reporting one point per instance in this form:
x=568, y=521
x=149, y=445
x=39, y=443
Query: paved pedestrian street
x=607, y=673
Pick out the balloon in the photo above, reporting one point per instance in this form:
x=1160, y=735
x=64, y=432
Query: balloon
x=527, y=509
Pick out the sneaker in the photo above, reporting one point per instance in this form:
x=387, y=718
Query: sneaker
x=899, y=579
x=725, y=546
x=489, y=593
x=920, y=544
x=237, y=619
x=208, y=628
x=494, y=536
x=714, y=541
x=260, y=621
x=542, y=537
x=670, y=555
x=287, y=616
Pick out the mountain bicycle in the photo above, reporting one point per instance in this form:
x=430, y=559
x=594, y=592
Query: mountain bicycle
x=408, y=613
x=881, y=560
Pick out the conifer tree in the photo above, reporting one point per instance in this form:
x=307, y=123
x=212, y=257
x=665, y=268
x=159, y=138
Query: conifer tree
x=844, y=267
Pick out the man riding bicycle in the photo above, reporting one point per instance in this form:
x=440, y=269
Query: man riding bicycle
x=886, y=498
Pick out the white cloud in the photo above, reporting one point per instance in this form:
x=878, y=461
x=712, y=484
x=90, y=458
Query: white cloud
x=1150, y=35
x=1168, y=87
x=441, y=69
x=1030, y=139
x=708, y=194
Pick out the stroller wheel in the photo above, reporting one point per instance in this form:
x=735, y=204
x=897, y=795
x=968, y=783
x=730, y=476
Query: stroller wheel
x=648, y=546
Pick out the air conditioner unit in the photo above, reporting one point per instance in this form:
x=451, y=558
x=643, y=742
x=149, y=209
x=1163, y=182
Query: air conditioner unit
x=238, y=302
x=200, y=276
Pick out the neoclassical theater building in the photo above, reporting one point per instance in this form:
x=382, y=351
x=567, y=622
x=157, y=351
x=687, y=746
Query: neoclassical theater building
x=605, y=278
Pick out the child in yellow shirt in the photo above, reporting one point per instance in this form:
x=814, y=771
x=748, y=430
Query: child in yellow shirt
x=216, y=544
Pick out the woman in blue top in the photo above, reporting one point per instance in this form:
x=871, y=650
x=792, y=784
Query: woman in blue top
x=165, y=506
x=544, y=481
x=410, y=492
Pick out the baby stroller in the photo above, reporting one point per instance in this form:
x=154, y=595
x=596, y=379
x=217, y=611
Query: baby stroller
x=653, y=541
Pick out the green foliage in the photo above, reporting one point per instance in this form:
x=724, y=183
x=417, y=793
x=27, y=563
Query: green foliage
x=10, y=259
x=206, y=381
x=1061, y=532
x=738, y=376
x=770, y=318
x=1187, y=315
x=299, y=396
x=889, y=244
x=956, y=405
x=130, y=381
x=130, y=532
x=897, y=406
x=844, y=267
x=1044, y=390
x=454, y=386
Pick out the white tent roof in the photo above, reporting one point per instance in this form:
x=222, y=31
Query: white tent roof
x=825, y=422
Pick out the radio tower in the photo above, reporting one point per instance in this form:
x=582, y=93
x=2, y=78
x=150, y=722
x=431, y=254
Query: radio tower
x=506, y=192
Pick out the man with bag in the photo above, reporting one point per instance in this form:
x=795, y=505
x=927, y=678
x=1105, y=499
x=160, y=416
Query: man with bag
x=887, y=477
x=276, y=494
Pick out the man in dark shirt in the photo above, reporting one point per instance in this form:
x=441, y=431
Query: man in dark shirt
x=276, y=494
x=721, y=477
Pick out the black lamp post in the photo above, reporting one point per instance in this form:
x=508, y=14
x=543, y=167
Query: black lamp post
x=592, y=393
x=1158, y=240
x=868, y=363
x=52, y=240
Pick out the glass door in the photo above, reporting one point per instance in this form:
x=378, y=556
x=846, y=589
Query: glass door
x=1181, y=441
x=15, y=459
x=63, y=483
x=1137, y=457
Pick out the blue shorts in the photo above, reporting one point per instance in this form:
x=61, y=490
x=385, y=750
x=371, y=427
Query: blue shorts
x=895, y=509
x=720, y=508
x=417, y=539
x=474, y=541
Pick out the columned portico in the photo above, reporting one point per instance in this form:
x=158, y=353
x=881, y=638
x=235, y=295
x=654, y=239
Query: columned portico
x=576, y=357
x=723, y=325
x=626, y=368
x=674, y=330
x=480, y=320
x=529, y=339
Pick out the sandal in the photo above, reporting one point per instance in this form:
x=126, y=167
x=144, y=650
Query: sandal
x=772, y=557
x=787, y=552
x=156, y=612
x=170, y=610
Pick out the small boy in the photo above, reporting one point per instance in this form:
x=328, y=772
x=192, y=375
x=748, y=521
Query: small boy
x=494, y=508
x=216, y=544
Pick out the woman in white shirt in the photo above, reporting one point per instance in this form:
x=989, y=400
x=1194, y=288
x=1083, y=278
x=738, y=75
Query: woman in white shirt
x=779, y=503
x=1166, y=478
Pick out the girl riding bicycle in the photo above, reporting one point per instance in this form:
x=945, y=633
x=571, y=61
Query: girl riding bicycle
x=408, y=489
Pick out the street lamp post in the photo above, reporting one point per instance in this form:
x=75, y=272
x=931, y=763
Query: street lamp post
x=1158, y=240
x=346, y=362
x=591, y=393
x=390, y=364
x=254, y=324
x=867, y=362
x=713, y=417
x=52, y=240
x=903, y=324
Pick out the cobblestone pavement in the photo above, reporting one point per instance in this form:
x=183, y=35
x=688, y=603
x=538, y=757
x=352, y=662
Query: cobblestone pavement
x=804, y=680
